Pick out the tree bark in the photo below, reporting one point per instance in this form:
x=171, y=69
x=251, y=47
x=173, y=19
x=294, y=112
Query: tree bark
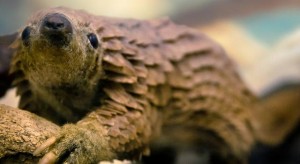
x=21, y=132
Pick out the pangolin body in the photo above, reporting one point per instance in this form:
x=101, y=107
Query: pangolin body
x=124, y=83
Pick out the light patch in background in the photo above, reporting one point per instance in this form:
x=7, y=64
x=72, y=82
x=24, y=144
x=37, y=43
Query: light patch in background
x=10, y=98
x=238, y=43
x=280, y=66
x=270, y=27
x=20, y=10
x=140, y=9
x=118, y=8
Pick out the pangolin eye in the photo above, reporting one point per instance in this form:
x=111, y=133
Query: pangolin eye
x=93, y=40
x=26, y=35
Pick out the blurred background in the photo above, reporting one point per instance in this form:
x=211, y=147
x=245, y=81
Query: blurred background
x=262, y=36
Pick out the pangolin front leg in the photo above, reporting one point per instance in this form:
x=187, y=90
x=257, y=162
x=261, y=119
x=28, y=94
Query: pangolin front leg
x=97, y=138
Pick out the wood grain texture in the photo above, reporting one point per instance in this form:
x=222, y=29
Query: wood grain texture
x=21, y=133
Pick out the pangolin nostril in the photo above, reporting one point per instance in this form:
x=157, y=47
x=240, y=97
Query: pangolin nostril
x=56, y=28
x=56, y=23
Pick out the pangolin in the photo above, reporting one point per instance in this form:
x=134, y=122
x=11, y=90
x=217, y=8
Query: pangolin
x=118, y=85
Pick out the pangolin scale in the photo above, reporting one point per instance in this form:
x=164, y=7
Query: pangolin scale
x=145, y=79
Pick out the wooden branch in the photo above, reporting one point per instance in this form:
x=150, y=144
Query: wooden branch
x=21, y=132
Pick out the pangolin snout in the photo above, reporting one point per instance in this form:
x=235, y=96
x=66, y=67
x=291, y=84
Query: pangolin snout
x=57, y=29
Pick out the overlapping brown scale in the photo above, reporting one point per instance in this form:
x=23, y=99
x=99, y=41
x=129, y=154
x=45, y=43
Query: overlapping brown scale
x=110, y=111
x=217, y=73
x=164, y=94
x=217, y=93
x=195, y=61
x=106, y=112
x=167, y=51
x=129, y=135
x=152, y=55
x=143, y=34
x=119, y=108
x=151, y=95
x=224, y=129
x=159, y=23
x=185, y=68
x=113, y=45
x=172, y=53
x=112, y=68
x=134, y=58
x=141, y=71
x=117, y=93
x=179, y=93
x=181, y=104
x=207, y=120
x=199, y=60
x=155, y=56
x=114, y=58
x=123, y=123
x=114, y=131
x=125, y=136
x=178, y=81
x=167, y=66
x=107, y=30
x=131, y=132
x=122, y=133
x=136, y=88
x=129, y=50
x=171, y=32
x=185, y=47
x=226, y=109
x=159, y=95
x=115, y=62
x=207, y=90
x=155, y=76
x=108, y=122
x=209, y=75
x=141, y=99
x=119, y=41
x=120, y=78
x=114, y=143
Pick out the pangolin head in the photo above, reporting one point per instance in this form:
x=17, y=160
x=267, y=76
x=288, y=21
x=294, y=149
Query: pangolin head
x=60, y=46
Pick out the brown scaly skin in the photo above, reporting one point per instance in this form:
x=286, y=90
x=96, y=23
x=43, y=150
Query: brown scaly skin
x=144, y=80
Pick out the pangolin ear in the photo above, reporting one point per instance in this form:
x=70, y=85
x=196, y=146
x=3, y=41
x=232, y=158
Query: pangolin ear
x=6, y=52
